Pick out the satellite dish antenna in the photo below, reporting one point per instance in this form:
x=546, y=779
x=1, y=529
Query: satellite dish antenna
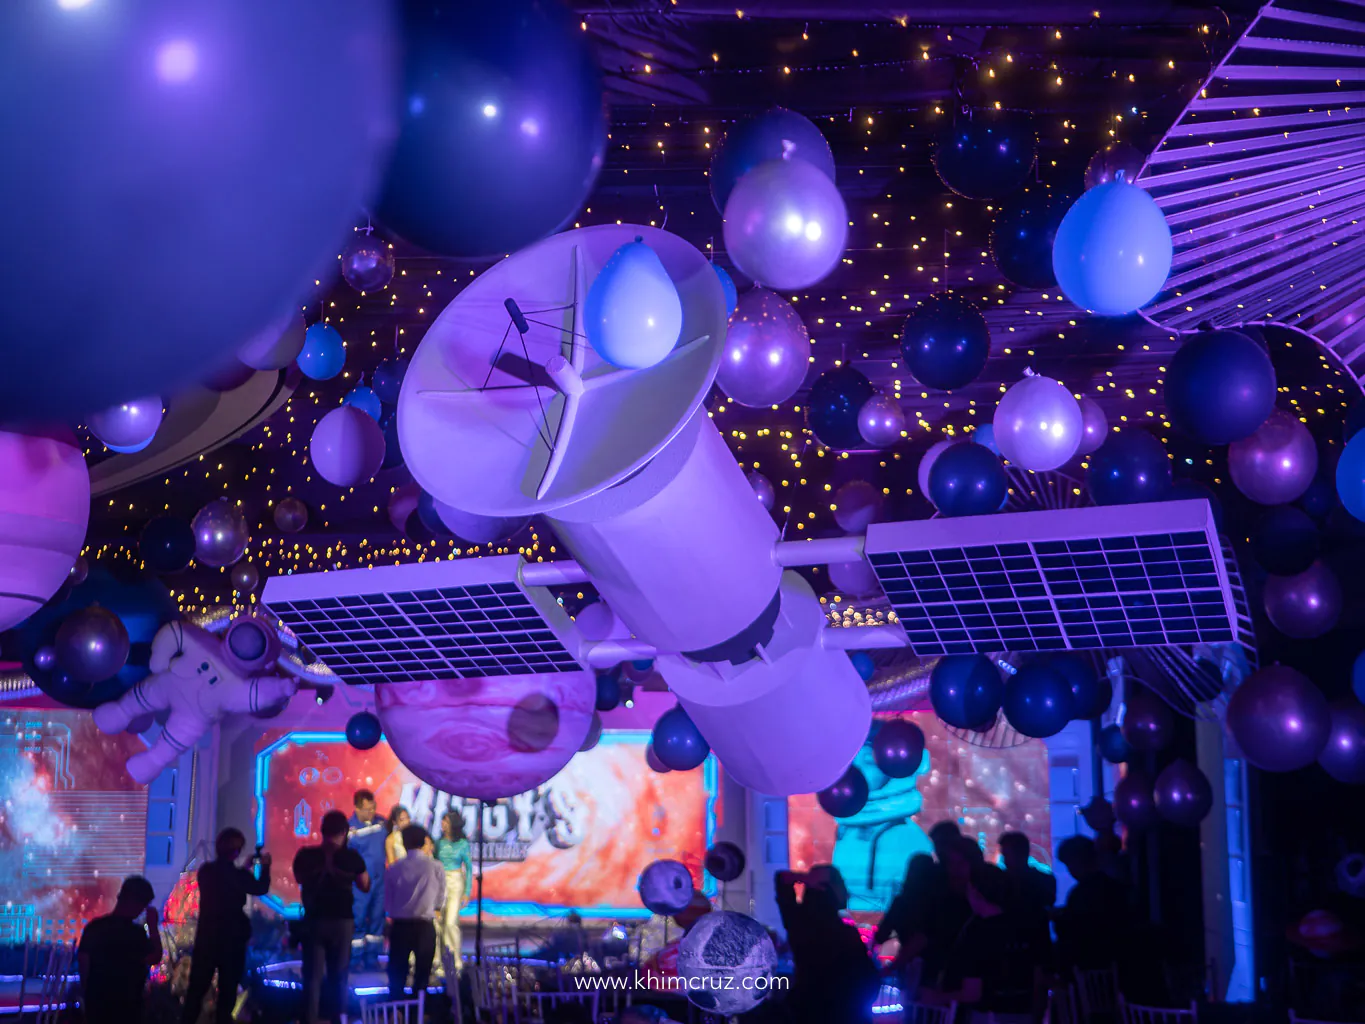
x=506, y=410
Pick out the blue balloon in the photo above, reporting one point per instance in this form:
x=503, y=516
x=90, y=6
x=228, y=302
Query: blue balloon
x=984, y=435
x=1091, y=692
x=393, y=451
x=1358, y=677
x=846, y=796
x=863, y=664
x=1113, y=250
x=503, y=126
x=832, y=407
x=1038, y=701
x=677, y=742
x=633, y=313
x=1112, y=745
x=1129, y=468
x=366, y=401
x=727, y=285
x=1321, y=496
x=608, y=690
x=1286, y=541
x=965, y=690
x=1220, y=387
x=1351, y=476
x=166, y=544
x=1022, y=237
x=363, y=730
x=324, y=353
x=773, y=135
x=968, y=479
x=387, y=379
x=945, y=342
x=987, y=155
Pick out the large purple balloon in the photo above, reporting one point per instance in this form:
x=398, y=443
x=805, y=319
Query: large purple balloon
x=1279, y=719
x=881, y=420
x=1304, y=606
x=767, y=351
x=92, y=644
x=220, y=533
x=159, y=137
x=1275, y=464
x=347, y=447
x=1183, y=795
x=1134, y=803
x=1344, y=755
x=786, y=224
x=1147, y=721
x=367, y=263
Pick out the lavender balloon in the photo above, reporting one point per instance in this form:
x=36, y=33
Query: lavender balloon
x=786, y=224
x=1183, y=795
x=1279, y=719
x=1343, y=757
x=1304, y=606
x=1134, y=803
x=129, y=426
x=858, y=504
x=1094, y=426
x=1038, y=424
x=763, y=489
x=220, y=533
x=367, y=263
x=881, y=420
x=767, y=351
x=291, y=515
x=347, y=447
x=1277, y=463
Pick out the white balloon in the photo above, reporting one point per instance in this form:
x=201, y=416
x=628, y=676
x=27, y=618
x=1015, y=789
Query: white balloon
x=927, y=463
x=1038, y=424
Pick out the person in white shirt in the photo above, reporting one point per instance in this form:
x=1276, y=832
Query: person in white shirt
x=414, y=892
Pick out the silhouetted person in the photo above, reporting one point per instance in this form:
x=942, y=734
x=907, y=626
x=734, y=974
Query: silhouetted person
x=949, y=910
x=414, y=893
x=223, y=932
x=1095, y=926
x=908, y=916
x=944, y=836
x=116, y=953
x=326, y=874
x=835, y=980
x=1031, y=892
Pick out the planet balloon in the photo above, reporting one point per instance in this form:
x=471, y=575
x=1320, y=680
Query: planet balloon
x=726, y=962
x=1112, y=746
x=724, y=862
x=92, y=644
x=1038, y=424
x=945, y=342
x=633, y=314
x=1106, y=164
x=965, y=689
x=1277, y=463
x=967, y=480
x=487, y=739
x=1182, y=794
x=1147, y=722
x=220, y=533
x=1279, y=719
x=363, y=731
x=652, y=759
x=1038, y=701
x=167, y=544
x=1091, y=692
x=1022, y=236
x=832, y=407
x=767, y=351
x=152, y=162
x=786, y=224
x=763, y=489
x=1134, y=801
x=367, y=263
x=503, y=126
x=1094, y=426
x=245, y=577
x=1304, y=606
x=1343, y=757
x=1129, y=468
x=128, y=426
x=987, y=155
x=323, y=354
x=366, y=400
x=227, y=377
x=677, y=742
x=387, y=379
x=1286, y=540
x=898, y=748
x=1220, y=387
x=772, y=135
x=275, y=347
x=857, y=505
x=290, y=515
x=608, y=690
x=347, y=447
x=927, y=460
x=1113, y=251
x=665, y=887
x=727, y=285
x=846, y=796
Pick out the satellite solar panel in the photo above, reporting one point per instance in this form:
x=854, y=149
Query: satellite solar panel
x=1119, y=576
x=431, y=620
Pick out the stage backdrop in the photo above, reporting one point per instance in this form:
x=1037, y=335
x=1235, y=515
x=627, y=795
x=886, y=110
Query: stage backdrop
x=985, y=791
x=579, y=842
x=72, y=823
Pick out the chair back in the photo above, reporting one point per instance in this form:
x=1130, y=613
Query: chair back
x=400, y=1011
x=1097, y=992
x=1061, y=1006
x=538, y=1007
x=919, y=1013
x=52, y=995
x=1133, y=1013
x=494, y=993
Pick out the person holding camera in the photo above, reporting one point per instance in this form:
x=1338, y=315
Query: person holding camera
x=327, y=874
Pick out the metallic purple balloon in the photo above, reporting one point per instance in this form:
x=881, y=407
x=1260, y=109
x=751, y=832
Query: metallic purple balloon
x=245, y=577
x=291, y=515
x=92, y=644
x=367, y=263
x=763, y=489
x=220, y=533
x=881, y=420
x=898, y=748
x=1109, y=161
x=1094, y=426
x=1279, y=719
x=1134, y=804
x=1304, y=606
x=1344, y=755
x=44, y=658
x=1038, y=424
x=79, y=570
x=1147, y=721
x=786, y=224
x=767, y=351
x=1277, y=463
x=128, y=426
x=1183, y=795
